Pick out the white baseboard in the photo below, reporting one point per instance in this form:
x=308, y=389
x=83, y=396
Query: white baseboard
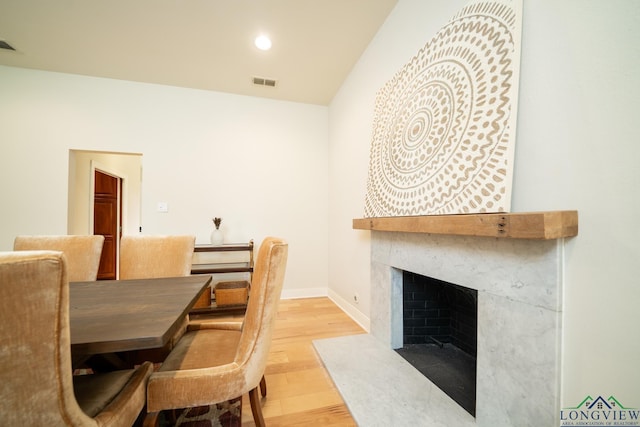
x=303, y=293
x=351, y=311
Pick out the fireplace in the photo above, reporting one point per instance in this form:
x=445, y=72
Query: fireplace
x=440, y=334
x=518, y=280
x=518, y=284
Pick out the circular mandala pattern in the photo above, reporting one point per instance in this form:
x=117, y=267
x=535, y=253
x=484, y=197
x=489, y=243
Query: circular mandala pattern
x=441, y=140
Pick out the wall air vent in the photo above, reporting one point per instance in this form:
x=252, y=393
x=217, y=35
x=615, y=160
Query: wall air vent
x=261, y=81
x=5, y=45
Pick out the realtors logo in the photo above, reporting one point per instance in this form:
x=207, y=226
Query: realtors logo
x=600, y=412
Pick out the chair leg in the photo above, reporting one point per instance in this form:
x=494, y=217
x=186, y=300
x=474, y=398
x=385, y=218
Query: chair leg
x=151, y=420
x=256, y=409
x=263, y=387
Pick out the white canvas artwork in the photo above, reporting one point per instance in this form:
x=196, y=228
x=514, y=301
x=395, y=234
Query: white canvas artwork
x=444, y=125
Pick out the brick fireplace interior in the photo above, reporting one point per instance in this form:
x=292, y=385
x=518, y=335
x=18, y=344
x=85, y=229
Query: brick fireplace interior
x=440, y=322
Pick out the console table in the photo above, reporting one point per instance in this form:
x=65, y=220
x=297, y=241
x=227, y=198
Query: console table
x=223, y=265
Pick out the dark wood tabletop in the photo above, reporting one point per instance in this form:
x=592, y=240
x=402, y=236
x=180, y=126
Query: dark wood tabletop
x=109, y=316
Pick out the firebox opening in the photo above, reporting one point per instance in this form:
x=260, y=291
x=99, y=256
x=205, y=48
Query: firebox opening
x=440, y=335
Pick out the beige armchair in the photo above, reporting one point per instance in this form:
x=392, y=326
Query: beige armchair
x=36, y=382
x=146, y=257
x=212, y=364
x=82, y=252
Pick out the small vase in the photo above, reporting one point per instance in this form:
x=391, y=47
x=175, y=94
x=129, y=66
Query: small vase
x=216, y=237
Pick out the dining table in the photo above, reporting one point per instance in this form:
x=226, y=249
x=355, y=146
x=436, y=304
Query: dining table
x=114, y=316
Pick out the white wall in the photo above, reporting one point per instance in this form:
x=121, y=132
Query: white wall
x=259, y=164
x=577, y=148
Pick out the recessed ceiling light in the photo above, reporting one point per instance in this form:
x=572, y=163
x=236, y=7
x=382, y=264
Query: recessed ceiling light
x=263, y=42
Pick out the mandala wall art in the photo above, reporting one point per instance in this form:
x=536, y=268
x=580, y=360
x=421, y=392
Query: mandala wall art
x=444, y=125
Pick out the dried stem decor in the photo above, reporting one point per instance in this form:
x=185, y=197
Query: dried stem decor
x=217, y=221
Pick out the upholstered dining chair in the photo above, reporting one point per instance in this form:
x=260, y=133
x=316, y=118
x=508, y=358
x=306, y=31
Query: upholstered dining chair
x=37, y=387
x=154, y=256
x=214, y=364
x=82, y=252
x=147, y=257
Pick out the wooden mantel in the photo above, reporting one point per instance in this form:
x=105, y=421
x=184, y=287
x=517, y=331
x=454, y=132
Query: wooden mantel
x=527, y=225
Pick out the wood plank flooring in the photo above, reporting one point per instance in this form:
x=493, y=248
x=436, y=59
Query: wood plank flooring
x=300, y=391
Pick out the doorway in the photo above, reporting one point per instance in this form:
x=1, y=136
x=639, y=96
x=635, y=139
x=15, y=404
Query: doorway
x=93, y=203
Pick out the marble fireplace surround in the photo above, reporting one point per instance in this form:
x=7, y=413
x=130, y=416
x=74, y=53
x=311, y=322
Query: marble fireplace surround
x=519, y=283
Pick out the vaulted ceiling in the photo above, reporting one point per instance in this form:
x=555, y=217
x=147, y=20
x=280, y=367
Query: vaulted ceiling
x=201, y=44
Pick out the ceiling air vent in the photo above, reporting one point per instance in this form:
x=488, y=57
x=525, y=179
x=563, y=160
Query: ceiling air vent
x=5, y=45
x=261, y=81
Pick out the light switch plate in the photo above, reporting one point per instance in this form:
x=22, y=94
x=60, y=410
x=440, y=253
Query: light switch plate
x=163, y=207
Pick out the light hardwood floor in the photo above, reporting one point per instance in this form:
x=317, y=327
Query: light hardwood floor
x=299, y=389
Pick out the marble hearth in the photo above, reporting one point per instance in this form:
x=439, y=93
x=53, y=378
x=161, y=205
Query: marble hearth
x=519, y=284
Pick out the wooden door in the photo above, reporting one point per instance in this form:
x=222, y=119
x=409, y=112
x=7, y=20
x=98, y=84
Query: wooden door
x=106, y=220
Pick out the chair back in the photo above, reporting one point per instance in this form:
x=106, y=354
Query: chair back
x=257, y=329
x=82, y=253
x=146, y=257
x=36, y=385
